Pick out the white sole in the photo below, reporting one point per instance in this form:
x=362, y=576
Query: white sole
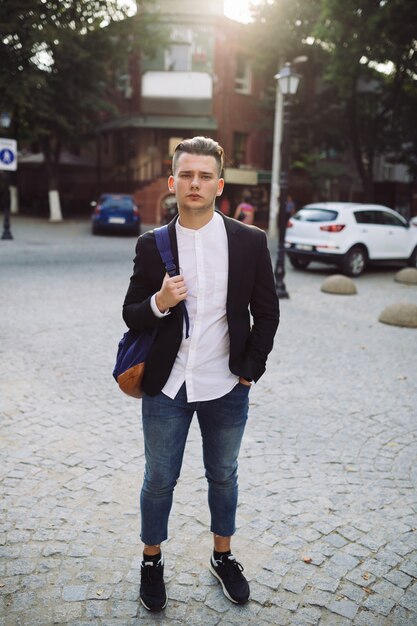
x=153, y=610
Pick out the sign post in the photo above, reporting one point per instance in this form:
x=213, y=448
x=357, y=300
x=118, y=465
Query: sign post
x=8, y=163
x=8, y=154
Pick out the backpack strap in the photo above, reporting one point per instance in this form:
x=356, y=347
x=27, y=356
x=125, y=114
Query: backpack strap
x=164, y=247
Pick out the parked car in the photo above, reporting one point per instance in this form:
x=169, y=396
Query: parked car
x=115, y=213
x=350, y=236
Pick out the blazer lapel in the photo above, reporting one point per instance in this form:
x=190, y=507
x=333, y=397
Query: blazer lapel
x=236, y=254
x=173, y=238
x=177, y=311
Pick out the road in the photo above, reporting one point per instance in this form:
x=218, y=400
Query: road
x=328, y=503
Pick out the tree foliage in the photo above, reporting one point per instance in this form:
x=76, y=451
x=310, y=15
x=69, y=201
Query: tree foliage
x=372, y=63
x=360, y=83
x=57, y=59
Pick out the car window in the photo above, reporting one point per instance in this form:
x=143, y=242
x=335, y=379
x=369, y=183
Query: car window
x=367, y=217
x=389, y=219
x=315, y=215
x=111, y=203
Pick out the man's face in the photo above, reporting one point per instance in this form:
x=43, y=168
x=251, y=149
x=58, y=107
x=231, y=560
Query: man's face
x=196, y=182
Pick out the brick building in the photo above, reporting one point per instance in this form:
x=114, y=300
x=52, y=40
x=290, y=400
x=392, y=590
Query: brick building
x=202, y=82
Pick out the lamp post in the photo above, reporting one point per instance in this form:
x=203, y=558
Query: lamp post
x=276, y=163
x=7, y=159
x=288, y=84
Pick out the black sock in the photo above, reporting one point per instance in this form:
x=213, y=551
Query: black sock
x=154, y=558
x=218, y=555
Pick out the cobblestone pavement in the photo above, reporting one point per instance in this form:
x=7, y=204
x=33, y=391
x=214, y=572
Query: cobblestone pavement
x=328, y=503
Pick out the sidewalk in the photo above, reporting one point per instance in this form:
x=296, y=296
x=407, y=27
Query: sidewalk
x=328, y=503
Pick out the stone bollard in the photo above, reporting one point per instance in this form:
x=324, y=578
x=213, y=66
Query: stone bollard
x=339, y=284
x=400, y=314
x=407, y=275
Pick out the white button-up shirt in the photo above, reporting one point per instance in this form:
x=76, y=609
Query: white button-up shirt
x=202, y=361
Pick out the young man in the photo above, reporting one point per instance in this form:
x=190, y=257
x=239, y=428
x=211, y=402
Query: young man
x=225, y=274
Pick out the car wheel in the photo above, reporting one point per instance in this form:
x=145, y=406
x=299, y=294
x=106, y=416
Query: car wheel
x=354, y=261
x=412, y=261
x=299, y=264
x=94, y=229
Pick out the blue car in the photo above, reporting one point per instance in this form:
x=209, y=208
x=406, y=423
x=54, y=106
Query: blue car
x=116, y=213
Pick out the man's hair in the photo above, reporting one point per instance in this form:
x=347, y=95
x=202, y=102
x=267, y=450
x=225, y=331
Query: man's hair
x=204, y=146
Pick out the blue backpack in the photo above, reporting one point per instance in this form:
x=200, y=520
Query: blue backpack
x=134, y=346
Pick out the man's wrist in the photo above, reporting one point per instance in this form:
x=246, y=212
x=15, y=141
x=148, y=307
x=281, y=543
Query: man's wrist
x=155, y=308
x=162, y=309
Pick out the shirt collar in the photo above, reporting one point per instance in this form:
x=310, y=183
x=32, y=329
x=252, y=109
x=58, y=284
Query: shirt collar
x=211, y=226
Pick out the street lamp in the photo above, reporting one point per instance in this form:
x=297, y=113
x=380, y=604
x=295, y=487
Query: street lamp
x=276, y=164
x=288, y=84
x=5, y=156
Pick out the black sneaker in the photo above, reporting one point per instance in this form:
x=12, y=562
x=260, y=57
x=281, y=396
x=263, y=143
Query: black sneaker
x=229, y=572
x=152, y=588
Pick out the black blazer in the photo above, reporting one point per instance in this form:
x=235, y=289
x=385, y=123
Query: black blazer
x=251, y=288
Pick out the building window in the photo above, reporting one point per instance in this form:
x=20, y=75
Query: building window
x=243, y=77
x=240, y=141
x=178, y=57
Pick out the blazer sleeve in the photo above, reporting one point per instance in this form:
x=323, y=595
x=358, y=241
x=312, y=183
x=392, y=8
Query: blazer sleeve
x=264, y=308
x=147, y=277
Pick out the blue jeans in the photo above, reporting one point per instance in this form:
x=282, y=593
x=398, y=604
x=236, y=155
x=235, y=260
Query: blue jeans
x=166, y=424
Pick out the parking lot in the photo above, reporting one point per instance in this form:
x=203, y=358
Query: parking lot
x=327, y=521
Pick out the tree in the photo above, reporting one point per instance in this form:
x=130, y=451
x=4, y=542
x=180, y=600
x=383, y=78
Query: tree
x=372, y=65
x=58, y=56
x=359, y=85
x=281, y=33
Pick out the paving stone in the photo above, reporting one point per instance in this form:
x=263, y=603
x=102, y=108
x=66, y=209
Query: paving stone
x=74, y=593
x=308, y=615
x=317, y=598
x=360, y=576
x=293, y=584
x=379, y=604
x=402, y=617
x=286, y=600
x=331, y=619
x=345, y=608
x=181, y=593
x=20, y=566
x=344, y=561
x=271, y=579
x=276, y=616
x=409, y=567
x=66, y=612
x=124, y=609
x=368, y=618
x=377, y=568
x=331, y=481
x=336, y=540
x=388, y=590
x=398, y=578
x=409, y=601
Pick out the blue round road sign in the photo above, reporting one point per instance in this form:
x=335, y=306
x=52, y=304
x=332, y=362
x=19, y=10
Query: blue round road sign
x=6, y=156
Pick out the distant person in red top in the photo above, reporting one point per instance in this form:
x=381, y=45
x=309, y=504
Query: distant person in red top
x=245, y=211
x=225, y=205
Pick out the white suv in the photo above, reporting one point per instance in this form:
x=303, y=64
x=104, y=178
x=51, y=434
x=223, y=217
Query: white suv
x=349, y=235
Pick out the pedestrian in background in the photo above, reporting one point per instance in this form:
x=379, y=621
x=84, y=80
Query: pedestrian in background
x=224, y=205
x=289, y=206
x=226, y=275
x=245, y=210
